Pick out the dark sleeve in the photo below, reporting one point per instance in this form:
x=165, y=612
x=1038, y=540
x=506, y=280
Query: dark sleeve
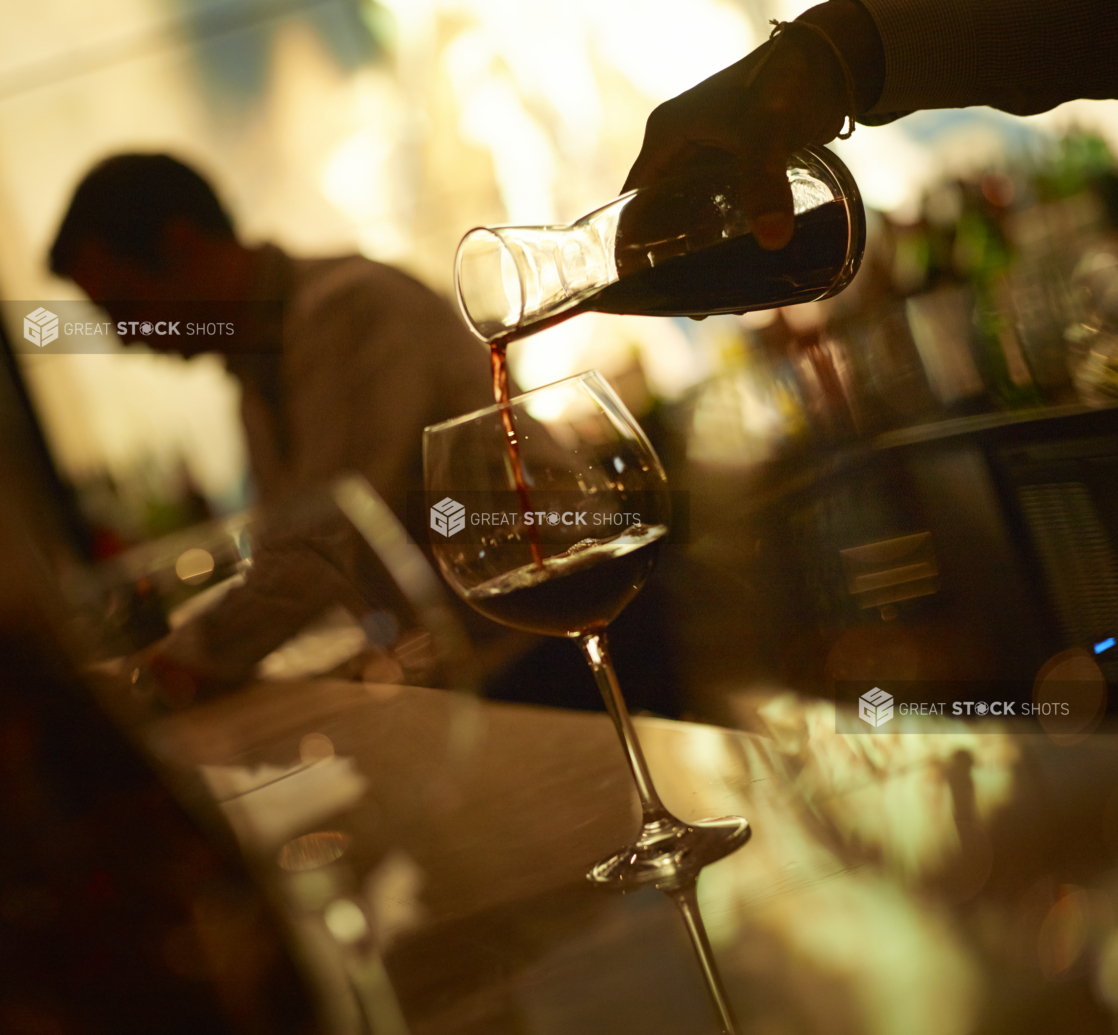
x=1021, y=56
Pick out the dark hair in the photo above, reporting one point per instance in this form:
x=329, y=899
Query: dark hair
x=126, y=202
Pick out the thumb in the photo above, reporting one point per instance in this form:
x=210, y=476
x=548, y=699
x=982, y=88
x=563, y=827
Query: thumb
x=769, y=203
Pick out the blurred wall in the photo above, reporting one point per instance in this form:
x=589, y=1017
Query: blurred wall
x=327, y=125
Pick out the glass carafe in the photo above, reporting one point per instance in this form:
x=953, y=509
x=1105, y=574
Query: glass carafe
x=681, y=247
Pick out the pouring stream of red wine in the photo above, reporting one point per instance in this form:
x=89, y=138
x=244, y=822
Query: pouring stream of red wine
x=498, y=358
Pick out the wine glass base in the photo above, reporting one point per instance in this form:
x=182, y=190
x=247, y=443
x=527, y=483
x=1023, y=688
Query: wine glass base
x=670, y=853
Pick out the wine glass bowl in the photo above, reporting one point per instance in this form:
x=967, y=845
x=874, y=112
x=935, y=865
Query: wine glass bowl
x=592, y=488
x=547, y=515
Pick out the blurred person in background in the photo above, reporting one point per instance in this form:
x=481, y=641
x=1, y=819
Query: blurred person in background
x=874, y=61
x=341, y=376
x=362, y=358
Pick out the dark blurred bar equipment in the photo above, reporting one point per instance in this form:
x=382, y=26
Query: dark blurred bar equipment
x=934, y=497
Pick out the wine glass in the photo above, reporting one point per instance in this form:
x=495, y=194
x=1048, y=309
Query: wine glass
x=547, y=515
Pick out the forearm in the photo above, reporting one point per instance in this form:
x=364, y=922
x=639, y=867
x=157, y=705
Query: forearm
x=1022, y=56
x=289, y=585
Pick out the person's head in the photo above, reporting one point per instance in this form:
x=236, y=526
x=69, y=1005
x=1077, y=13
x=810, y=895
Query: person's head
x=144, y=227
x=126, y=204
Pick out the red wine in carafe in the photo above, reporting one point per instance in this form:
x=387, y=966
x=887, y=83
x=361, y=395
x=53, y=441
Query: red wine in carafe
x=734, y=275
x=680, y=246
x=730, y=276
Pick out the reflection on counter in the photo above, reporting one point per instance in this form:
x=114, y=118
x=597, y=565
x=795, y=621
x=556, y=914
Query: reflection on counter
x=953, y=880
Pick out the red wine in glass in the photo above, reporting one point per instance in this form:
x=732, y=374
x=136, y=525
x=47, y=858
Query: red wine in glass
x=574, y=592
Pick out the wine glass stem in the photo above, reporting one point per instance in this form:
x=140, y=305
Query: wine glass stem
x=687, y=902
x=593, y=646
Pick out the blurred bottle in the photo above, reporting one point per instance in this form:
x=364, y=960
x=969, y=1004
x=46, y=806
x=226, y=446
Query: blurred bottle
x=821, y=370
x=1092, y=339
x=1069, y=210
x=956, y=262
x=983, y=257
x=867, y=333
x=938, y=304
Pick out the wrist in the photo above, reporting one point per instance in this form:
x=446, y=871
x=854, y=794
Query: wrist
x=849, y=26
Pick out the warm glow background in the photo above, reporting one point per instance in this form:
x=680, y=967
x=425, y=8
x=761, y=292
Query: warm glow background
x=391, y=127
